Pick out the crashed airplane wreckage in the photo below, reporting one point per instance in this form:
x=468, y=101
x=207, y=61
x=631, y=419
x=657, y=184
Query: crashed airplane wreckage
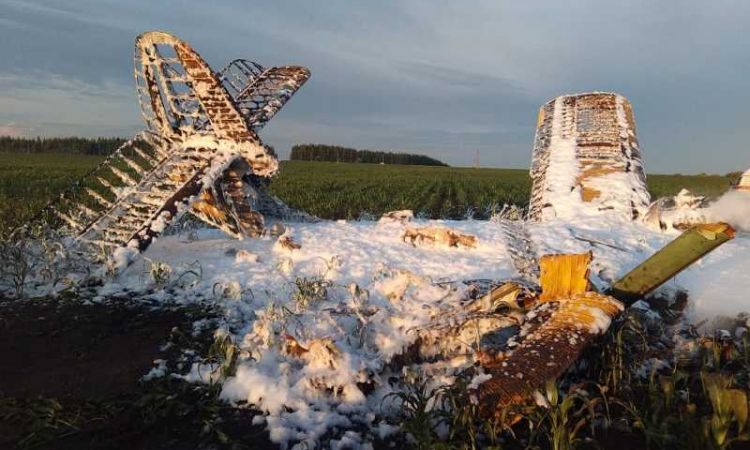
x=586, y=159
x=568, y=315
x=200, y=152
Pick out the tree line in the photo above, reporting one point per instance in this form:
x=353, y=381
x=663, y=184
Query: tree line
x=301, y=152
x=320, y=152
x=75, y=145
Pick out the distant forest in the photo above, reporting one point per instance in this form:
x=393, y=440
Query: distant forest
x=303, y=152
x=318, y=152
x=75, y=145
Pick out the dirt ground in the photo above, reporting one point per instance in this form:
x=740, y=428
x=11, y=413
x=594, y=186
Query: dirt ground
x=70, y=379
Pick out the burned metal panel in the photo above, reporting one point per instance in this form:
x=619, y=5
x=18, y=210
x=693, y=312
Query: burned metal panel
x=605, y=172
x=565, y=327
x=565, y=319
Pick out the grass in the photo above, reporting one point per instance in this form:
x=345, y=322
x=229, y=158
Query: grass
x=331, y=190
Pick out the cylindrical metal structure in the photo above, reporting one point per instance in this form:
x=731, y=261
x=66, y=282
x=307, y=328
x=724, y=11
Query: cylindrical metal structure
x=744, y=183
x=586, y=159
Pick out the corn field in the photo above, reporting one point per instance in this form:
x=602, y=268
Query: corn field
x=331, y=190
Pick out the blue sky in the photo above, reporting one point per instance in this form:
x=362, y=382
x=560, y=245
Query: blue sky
x=447, y=79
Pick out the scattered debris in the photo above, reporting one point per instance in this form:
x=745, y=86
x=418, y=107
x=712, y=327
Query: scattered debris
x=287, y=242
x=439, y=236
x=483, y=326
x=403, y=217
x=679, y=212
x=501, y=298
x=244, y=256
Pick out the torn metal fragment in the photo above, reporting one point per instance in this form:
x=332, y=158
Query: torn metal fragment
x=679, y=212
x=564, y=275
x=483, y=324
x=548, y=350
x=504, y=296
x=438, y=235
x=402, y=216
x=286, y=242
x=671, y=260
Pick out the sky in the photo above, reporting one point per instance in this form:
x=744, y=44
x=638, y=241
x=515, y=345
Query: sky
x=447, y=79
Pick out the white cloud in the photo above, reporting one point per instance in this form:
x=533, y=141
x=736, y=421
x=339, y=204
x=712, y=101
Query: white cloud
x=55, y=105
x=12, y=129
x=428, y=74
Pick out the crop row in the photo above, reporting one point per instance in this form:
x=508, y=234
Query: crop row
x=331, y=190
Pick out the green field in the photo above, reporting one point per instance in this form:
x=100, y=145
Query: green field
x=330, y=190
x=346, y=190
x=29, y=181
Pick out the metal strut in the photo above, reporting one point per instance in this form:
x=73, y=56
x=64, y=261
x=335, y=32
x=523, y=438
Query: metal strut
x=201, y=144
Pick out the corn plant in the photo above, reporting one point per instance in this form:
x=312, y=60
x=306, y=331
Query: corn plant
x=190, y=276
x=565, y=419
x=223, y=353
x=420, y=411
x=309, y=291
x=469, y=430
x=16, y=264
x=729, y=419
x=160, y=272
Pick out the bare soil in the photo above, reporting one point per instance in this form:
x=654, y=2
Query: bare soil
x=70, y=378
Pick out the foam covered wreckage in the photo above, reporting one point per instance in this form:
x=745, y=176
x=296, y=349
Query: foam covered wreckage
x=743, y=184
x=587, y=159
x=567, y=316
x=200, y=152
x=438, y=235
x=402, y=216
x=524, y=335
